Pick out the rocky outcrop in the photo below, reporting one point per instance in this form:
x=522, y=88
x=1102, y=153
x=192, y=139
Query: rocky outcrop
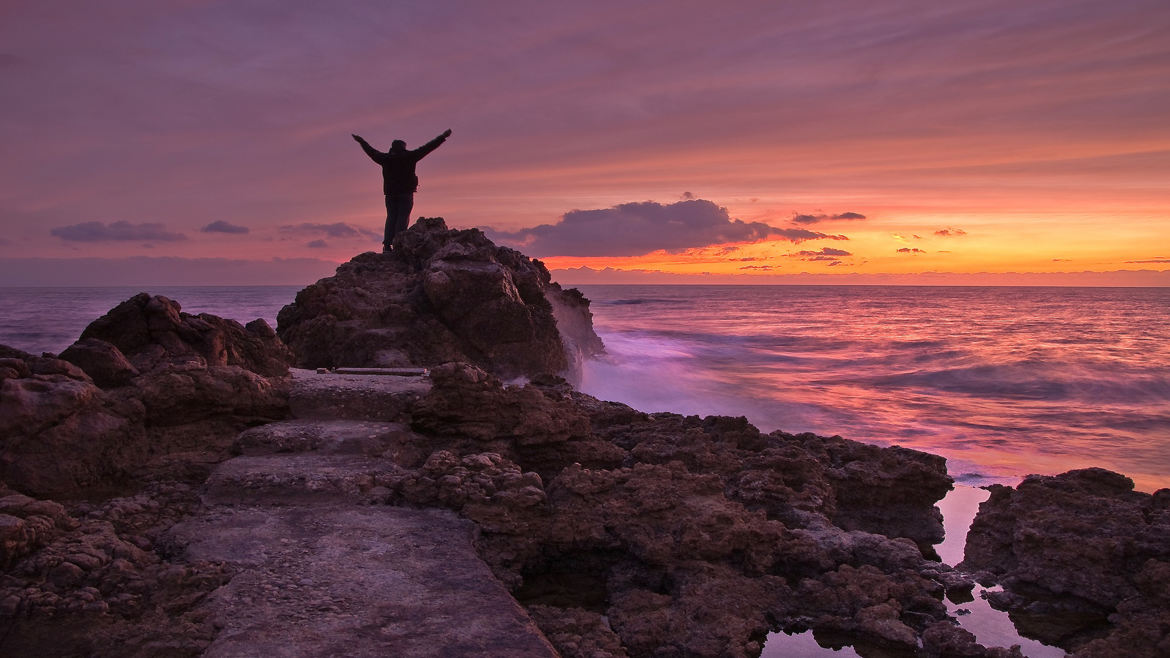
x=146, y=333
x=687, y=536
x=441, y=295
x=1083, y=558
x=147, y=388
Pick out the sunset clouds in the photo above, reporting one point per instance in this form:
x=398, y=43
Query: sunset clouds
x=634, y=229
x=1008, y=134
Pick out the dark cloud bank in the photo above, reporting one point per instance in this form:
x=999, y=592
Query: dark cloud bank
x=224, y=227
x=633, y=229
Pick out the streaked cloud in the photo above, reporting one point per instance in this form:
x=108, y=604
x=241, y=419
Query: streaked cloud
x=909, y=250
x=334, y=230
x=120, y=231
x=825, y=251
x=1150, y=260
x=949, y=232
x=815, y=219
x=317, y=244
x=634, y=229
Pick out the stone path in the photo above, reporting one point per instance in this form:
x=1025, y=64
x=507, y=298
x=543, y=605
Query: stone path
x=321, y=572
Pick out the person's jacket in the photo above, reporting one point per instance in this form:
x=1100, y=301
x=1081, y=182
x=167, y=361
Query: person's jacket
x=398, y=175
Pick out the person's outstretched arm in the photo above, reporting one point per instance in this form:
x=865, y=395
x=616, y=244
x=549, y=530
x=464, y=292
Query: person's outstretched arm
x=374, y=153
x=433, y=144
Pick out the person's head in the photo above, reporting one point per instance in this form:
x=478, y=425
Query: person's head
x=398, y=145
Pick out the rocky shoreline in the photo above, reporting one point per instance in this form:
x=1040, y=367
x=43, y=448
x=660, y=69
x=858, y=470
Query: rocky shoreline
x=185, y=485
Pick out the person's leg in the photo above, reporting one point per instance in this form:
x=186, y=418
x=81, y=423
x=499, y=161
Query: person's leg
x=405, y=203
x=398, y=207
x=388, y=233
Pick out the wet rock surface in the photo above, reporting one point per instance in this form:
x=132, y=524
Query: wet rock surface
x=1083, y=558
x=441, y=295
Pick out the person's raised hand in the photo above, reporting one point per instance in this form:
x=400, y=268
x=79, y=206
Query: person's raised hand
x=447, y=133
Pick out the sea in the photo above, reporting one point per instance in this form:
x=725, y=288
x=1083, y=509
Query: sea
x=1002, y=381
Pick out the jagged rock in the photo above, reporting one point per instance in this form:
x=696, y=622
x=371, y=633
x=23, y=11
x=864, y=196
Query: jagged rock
x=26, y=524
x=59, y=432
x=102, y=361
x=577, y=633
x=92, y=585
x=538, y=425
x=466, y=401
x=945, y=639
x=1073, y=549
x=146, y=384
x=441, y=295
x=152, y=331
x=888, y=491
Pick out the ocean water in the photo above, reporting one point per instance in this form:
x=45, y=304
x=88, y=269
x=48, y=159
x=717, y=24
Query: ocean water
x=1002, y=381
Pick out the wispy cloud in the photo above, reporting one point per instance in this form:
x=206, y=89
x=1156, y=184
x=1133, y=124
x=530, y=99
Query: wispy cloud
x=121, y=231
x=825, y=251
x=949, y=232
x=822, y=217
x=1150, y=260
x=334, y=230
x=909, y=250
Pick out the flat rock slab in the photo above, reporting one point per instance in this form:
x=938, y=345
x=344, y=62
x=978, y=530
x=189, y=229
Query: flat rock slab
x=354, y=437
x=354, y=397
x=354, y=581
x=302, y=479
x=397, y=372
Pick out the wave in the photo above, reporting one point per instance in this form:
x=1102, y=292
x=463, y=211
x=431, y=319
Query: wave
x=1027, y=380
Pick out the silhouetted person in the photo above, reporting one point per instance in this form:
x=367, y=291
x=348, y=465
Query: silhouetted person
x=399, y=182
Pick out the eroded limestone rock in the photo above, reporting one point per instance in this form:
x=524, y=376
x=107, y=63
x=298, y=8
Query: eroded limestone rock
x=1079, y=555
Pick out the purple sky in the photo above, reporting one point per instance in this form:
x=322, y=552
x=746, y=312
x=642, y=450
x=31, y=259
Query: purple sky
x=180, y=132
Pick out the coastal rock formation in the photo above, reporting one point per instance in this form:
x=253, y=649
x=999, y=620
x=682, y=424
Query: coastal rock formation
x=441, y=295
x=146, y=388
x=1083, y=558
x=558, y=523
x=690, y=536
x=151, y=332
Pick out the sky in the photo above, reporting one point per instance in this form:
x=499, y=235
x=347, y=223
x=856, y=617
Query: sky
x=964, y=143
